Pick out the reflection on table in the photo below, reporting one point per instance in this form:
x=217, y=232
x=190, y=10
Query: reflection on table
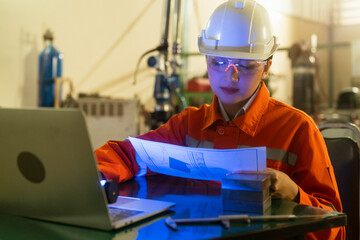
x=194, y=199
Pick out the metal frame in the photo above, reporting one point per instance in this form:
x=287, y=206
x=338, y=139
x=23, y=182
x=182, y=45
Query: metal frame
x=346, y=125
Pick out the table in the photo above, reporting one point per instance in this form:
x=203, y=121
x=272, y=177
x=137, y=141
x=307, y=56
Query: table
x=194, y=199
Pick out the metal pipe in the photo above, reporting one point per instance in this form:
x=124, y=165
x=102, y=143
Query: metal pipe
x=165, y=34
x=177, y=17
x=165, y=22
x=176, y=48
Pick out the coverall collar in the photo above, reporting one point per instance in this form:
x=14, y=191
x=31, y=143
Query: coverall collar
x=247, y=122
x=242, y=110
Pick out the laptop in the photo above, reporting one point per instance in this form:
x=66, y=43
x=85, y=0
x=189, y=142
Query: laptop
x=48, y=171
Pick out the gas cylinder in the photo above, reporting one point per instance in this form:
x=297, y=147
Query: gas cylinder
x=50, y=68
x=303, y=66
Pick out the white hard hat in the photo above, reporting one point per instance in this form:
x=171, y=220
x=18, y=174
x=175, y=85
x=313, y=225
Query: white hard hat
x=239, y=29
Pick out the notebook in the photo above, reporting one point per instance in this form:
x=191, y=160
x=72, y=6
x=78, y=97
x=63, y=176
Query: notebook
x=48, y=171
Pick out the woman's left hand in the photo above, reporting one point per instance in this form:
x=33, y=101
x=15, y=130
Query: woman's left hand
x=282, y=186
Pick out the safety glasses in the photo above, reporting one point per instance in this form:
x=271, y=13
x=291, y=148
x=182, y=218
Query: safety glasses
x=221, y=64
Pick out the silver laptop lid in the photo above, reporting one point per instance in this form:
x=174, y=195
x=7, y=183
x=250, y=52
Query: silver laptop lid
x=35, y=182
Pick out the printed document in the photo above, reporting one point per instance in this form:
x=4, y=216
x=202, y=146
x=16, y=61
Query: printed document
x=198, y=163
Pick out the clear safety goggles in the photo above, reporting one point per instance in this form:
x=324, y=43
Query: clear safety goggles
x=222, y=64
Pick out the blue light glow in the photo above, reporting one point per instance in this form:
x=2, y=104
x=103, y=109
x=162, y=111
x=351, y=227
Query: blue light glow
x=102, y=182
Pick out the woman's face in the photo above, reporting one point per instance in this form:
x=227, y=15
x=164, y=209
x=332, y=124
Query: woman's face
x=235, y=80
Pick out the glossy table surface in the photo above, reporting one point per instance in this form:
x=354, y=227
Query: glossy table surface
x=194, y=199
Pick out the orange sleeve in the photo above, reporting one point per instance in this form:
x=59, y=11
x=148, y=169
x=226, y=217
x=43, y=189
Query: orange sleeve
x=317, y=184
x=117, y=160
x=111, y=164
x=316, y=176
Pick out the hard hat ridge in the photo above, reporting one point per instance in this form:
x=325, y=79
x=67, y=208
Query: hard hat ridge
x=238, y=29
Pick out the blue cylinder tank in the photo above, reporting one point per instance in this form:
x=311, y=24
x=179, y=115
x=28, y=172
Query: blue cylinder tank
x=50, y=68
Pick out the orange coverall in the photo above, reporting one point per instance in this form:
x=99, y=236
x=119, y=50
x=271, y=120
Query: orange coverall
x=294, y=146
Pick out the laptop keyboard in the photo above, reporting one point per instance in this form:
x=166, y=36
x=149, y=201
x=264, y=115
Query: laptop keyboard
x=121, y=213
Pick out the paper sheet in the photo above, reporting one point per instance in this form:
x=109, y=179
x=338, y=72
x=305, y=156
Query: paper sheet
x=198, y=163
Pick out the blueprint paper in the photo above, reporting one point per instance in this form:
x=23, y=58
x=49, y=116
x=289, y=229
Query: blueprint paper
x=198, y=163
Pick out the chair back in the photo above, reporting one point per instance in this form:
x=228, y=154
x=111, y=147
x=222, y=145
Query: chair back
x=343, y=149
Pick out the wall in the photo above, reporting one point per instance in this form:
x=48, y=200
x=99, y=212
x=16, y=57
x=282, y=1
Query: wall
x=343, y=36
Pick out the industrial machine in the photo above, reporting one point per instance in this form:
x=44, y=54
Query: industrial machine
x=167, y=79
